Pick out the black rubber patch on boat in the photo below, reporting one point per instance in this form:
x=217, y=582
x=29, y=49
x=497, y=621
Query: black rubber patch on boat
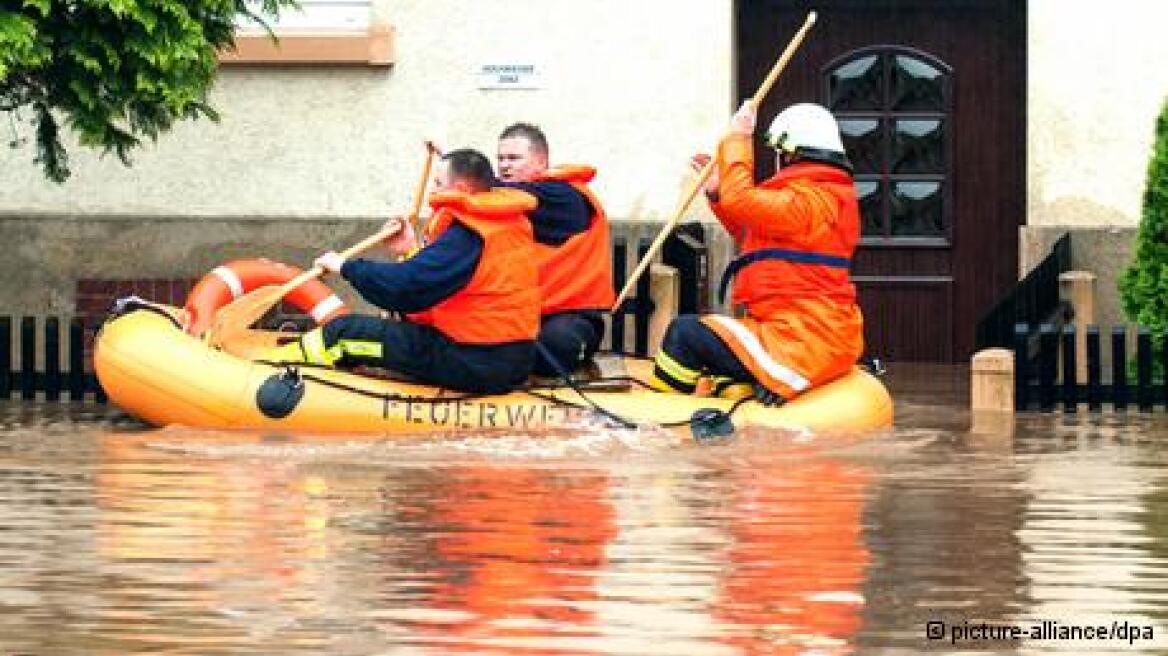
x=710, y=424
x=279, y=395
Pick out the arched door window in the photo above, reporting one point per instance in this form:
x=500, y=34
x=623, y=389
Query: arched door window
x=893, y=106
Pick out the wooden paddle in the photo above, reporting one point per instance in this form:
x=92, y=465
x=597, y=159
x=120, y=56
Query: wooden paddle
x=237, y=316
x=692, y=191
x=432, y=151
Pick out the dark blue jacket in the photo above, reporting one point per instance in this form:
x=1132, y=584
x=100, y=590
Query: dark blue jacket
x=431, y=276
x=562, y=210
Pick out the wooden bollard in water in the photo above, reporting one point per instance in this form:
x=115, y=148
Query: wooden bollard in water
x=992, y=391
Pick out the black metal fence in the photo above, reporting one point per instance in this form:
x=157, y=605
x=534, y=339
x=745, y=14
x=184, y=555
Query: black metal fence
x=1034, y=301
x=683, y=251
x=47, y=366
x=40, y=360
x=1050, y=379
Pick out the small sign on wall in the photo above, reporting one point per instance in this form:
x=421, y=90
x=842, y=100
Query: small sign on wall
x=508, y=76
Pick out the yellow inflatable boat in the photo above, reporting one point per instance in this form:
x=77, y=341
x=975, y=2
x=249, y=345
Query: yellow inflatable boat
x=153, y=370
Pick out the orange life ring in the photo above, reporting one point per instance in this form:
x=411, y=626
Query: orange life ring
x=229, y=281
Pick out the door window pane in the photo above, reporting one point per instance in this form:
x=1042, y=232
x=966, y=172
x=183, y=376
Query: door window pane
x=916, y=210
x=858, y=85
x=892, y=105
x=916, y=85
x=864, y=143
x=918, y=146
x=871, y=207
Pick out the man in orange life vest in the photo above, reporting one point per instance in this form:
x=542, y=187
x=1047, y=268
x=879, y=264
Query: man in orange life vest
x=572, y=242
x=796, y=234
x=470, y=295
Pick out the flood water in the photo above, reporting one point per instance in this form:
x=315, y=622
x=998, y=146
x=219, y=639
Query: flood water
x=115, y=539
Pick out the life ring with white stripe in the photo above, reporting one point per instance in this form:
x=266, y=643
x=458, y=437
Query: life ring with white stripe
x=229, y=281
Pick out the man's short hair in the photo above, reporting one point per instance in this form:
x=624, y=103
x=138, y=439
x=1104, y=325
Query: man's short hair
x=532, y=133
x=472, y=167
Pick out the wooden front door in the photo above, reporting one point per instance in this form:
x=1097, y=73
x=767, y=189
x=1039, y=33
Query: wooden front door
x=930, y=96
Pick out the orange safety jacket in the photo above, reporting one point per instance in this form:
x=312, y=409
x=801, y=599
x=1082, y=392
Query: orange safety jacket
x=577, y=274
x=501, y=302
x=797, y=232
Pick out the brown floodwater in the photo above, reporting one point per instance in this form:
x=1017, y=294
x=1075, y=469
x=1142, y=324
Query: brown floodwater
x=1050, y=537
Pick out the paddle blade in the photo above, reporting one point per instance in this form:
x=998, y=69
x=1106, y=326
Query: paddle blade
x=252, y=344
x=238, y=315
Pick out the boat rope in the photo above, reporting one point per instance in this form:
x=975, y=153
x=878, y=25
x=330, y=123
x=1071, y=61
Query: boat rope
x=128, y=304
x=706, y=417
x=566, y=376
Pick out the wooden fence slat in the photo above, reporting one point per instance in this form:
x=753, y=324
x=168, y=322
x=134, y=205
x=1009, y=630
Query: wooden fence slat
x=1144, y=369
x=1047, y=366
x=99, y=395
x=1119, y=367
x=5, y=357
x=619, y=275
x=52, y=377
x=1070, y=380
x=1164, y=370
x=644, y=306
x=28, y=358
x=76, y=359
x=1094, y=370
x=1021, y=366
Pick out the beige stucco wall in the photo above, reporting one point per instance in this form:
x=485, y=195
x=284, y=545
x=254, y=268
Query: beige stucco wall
x=1096, y=82
x=633, y=88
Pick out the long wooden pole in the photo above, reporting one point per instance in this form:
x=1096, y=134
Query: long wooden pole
x=704, y=174
x=235, y=317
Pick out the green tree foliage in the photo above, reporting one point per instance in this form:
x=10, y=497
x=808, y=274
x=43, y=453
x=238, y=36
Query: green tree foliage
x=114, y=71
x=1144, y=285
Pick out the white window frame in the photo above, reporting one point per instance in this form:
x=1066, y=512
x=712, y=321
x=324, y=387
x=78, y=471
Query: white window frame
x=320, y=32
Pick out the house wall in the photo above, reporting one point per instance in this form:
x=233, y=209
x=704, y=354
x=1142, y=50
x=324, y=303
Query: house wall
x=307, y=156
x=1095, y=88
x=633, y=88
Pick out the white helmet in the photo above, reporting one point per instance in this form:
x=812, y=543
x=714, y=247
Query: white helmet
x=807, y=131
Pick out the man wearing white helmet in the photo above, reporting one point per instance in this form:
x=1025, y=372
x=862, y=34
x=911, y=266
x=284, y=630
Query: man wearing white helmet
x=796, y=234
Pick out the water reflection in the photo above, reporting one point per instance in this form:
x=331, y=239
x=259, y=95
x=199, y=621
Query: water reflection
x=1093, y=534
x=114, y=539
x=511, y=556
x=795, y=557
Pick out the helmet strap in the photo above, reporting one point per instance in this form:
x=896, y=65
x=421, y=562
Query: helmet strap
x=826, y=156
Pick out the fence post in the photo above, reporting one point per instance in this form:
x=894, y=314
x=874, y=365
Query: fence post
x=1021, y=367
x=1144, y=394
x=1078, y=289
x=643, y=304
x=1119, y=367
x=992, y=391
x=616, y=334
x=1071, y=358
x=52, y=378
x=1094, y=371
x=665, y=292
x=1048, y=361
x=1164, y=368
x=28, y=368
x=5, y=357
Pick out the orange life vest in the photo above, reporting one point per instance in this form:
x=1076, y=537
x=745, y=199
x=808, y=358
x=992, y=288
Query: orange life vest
x=501, y=302
x=577, y=274
x=777, y=266
x=797, y=233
